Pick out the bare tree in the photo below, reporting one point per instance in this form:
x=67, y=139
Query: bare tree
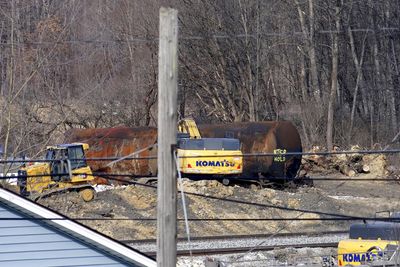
x=334, y=77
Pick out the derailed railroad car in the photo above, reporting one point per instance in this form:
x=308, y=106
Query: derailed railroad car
x=278, y=137
x=119, y=142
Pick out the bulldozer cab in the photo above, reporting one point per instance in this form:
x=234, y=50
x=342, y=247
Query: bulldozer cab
x=64, y=158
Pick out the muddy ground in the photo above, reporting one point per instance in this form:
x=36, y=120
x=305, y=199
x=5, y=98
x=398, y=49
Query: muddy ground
x=349, y=197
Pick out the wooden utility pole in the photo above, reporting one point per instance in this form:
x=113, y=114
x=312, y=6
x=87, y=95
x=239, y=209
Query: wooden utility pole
x=167, y=127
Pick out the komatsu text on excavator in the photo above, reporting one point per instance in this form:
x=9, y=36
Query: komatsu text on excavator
x=65, y=169
x=371, y=243
x=207, y=156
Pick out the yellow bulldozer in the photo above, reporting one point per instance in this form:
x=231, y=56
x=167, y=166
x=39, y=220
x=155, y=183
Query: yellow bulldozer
x=199, y=156
x=64, y=169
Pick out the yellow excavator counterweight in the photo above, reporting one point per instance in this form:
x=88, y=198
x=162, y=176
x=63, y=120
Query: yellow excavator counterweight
x=198, y=156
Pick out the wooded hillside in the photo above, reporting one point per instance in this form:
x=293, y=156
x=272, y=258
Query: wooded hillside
x=331, y=67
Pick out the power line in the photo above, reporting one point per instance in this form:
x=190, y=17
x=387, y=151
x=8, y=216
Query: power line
x=368, y=219
x=88, y=41
x=205, y=37
x=333, y=216
x=238, y=178
x=100, y=174
x=237, y=201
x=244, y=155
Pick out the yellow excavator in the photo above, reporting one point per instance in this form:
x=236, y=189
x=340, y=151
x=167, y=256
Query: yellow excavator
x=199, y=156
x=65, y=168
x=370, y=242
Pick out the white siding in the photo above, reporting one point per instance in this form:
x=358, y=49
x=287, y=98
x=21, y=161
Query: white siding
x=32, y=243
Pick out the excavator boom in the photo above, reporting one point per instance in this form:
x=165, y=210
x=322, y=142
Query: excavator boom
x=189, y=126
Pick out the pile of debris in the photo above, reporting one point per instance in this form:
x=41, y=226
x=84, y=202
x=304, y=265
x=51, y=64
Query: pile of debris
x=349, y=164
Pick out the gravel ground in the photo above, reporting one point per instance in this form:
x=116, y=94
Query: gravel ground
x=140, y=202
x=310, y=257
x=246, y=242
x=355, y=198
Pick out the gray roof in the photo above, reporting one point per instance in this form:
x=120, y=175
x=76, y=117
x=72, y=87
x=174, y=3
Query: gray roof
x=33, y=235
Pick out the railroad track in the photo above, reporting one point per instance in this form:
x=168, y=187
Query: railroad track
x=214, y=251
x=209, y=245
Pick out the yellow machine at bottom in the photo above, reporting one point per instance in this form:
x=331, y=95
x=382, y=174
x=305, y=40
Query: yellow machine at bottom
x=354, y=252
x=369, y=242
x=66, y=169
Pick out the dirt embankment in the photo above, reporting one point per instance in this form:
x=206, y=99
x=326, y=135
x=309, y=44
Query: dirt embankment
x=356, y=198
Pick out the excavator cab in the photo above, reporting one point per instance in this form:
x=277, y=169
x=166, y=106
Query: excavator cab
x=199, y=157
x=65, y=169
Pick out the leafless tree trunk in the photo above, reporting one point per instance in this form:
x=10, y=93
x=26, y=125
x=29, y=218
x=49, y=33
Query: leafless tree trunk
x=359, y=80
x=334, y=79
x=390, y=84
x=309, y=33
x=11, y=75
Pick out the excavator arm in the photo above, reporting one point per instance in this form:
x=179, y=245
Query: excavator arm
x=189, y=126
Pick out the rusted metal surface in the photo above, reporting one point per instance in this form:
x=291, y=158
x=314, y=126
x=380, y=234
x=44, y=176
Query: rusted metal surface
x=118, y=142
x=263, y=137
x=256, y=137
